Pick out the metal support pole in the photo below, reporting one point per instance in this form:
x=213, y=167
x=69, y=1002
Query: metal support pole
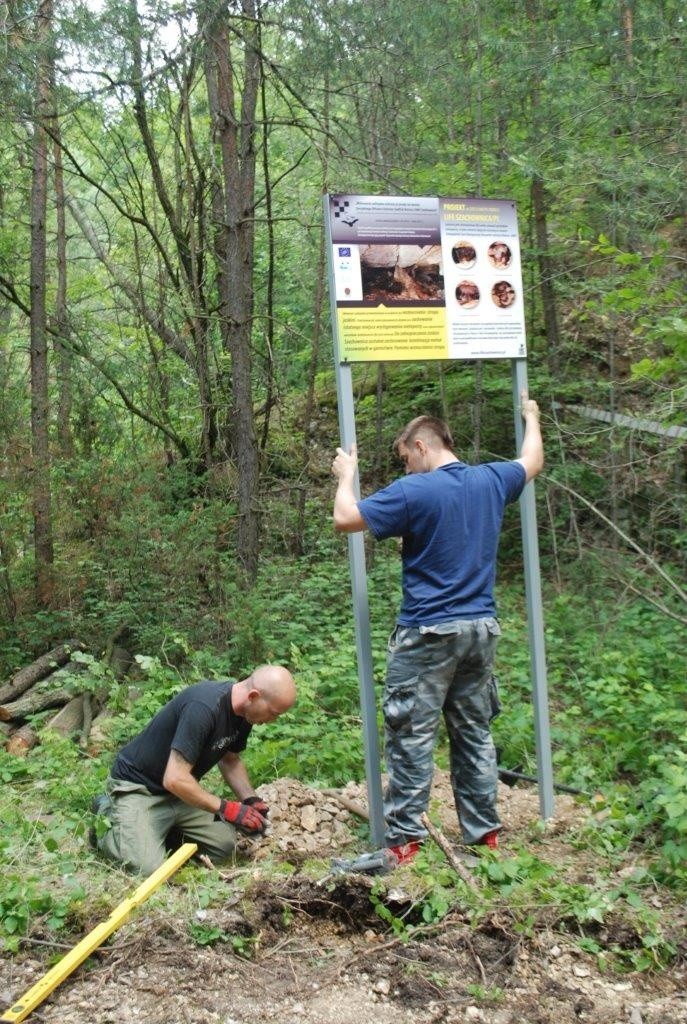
x=535, y=618
x=356, y=558
x=361, y=612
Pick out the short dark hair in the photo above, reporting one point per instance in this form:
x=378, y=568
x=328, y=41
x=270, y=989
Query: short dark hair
x=421, y=425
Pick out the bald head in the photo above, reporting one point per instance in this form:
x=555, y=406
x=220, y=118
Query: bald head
x=275, y=683
x=268, y=692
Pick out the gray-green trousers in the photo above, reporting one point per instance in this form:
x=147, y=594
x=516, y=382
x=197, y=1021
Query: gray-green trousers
x=434, y=670
x=141, y=822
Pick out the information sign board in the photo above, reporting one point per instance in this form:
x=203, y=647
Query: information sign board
x=420, y=277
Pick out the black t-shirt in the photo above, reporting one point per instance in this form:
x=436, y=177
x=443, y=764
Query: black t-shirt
x=199, y=723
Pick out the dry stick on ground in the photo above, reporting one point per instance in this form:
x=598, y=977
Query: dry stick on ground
x=438, y=837
x=349, y=805
x=478, y=961
x=444, y=845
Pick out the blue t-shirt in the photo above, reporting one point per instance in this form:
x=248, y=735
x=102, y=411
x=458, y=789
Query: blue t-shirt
x=450, y=520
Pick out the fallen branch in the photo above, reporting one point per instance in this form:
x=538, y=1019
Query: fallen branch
x=621, y=533
x=444, y=845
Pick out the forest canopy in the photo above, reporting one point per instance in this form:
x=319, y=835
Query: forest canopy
x=168, y=409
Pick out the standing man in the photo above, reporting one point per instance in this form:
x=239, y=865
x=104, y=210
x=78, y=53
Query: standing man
x=154, y=786
x=441, y=654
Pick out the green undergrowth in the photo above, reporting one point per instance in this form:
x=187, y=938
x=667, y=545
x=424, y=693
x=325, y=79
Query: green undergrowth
x=615, y=672
x=612, y=919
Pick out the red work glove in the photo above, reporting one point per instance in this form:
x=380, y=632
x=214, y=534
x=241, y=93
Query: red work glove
x=245, y=817
x=259, y=804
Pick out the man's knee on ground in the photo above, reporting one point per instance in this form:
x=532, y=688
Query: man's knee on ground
x=220, y=849
x=144, y=865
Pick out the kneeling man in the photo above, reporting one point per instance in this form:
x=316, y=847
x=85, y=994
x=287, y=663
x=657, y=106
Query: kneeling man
x=154, y=795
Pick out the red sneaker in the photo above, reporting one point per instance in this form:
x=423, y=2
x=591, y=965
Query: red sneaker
x=406, y=852
x=491, y=839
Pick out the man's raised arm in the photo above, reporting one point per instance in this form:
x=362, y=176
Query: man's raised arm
x=347, y=518
x=532, y=450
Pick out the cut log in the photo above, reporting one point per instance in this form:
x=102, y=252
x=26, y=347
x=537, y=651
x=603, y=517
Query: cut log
x=68, y=719
x=87, y=718
x=25, y=678
x=21, y=741
x=98, y=736
x=33, y=702
x=62, y=675
x=120, y=662
x=5, y=729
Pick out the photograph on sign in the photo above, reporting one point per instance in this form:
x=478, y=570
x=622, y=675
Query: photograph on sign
x=421, y=277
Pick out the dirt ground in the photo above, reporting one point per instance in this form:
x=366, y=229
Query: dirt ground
x=322, y=955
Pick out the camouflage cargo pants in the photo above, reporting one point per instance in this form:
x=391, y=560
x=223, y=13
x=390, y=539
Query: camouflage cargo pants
x=445, y=668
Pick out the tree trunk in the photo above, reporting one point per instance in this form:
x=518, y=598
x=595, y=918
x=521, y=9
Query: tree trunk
x=318, y=302
x=477, y=411
x=64, y=368
x=42, y=515
x=7, y=601
x=379, y=458
x=303, y=492
x=627, y=19
x=26, y=677
x=270, y=386
x=8, y=604
x=233, y=211
x=546, y=273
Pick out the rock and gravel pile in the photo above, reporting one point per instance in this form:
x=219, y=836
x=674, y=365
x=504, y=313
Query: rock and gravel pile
x=305, y=820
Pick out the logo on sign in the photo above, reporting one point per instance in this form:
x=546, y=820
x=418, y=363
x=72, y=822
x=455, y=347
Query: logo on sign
x=344, y=250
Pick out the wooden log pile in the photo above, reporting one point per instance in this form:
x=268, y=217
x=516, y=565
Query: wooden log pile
x=48, y=683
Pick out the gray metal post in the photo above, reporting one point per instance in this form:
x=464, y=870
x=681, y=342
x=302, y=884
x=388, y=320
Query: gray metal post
x=356, y=558
x=535, y=618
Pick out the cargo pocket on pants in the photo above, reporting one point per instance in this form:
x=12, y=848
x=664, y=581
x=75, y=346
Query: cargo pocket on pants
x=398, y=707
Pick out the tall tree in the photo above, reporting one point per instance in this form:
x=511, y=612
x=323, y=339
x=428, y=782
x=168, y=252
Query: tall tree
x=232, y=72
x=62, y=350
x=43, y=536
